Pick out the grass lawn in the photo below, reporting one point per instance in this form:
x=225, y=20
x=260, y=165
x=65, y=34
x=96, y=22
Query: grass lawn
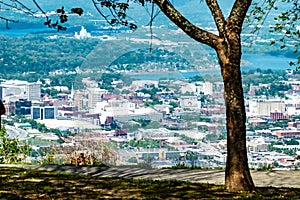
x=17, y=183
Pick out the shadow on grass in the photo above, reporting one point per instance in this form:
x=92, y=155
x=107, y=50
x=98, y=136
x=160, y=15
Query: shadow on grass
x=18, y=183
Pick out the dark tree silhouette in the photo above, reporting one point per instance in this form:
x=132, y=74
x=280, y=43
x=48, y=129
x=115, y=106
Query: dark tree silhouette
x=2, y=111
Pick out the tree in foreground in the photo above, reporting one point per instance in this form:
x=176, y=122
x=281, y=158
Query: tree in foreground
x=227, y=44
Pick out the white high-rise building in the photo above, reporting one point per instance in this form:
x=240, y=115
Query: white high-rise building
x=265, y=107
x=33, y=91
x=94, y=96
x=15, y=89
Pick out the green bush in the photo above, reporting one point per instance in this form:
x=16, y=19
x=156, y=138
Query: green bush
x=10, y=149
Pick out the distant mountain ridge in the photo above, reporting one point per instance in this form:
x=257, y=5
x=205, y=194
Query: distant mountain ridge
x=90, y=51
x=194, y=10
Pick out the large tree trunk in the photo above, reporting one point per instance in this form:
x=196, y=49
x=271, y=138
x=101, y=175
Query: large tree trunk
x=237, y=174
x=228, y=47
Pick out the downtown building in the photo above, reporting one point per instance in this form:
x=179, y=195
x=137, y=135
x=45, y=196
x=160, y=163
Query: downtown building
x=261, y=108
x=95, y=96
x=44, y=112
x=13, y=90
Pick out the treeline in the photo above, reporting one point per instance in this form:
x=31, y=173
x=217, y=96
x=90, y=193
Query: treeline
x=261, y=76
x=41, y=54
x=159, y=56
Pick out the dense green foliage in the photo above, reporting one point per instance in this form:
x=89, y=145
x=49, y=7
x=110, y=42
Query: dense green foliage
x=260, y=76
x=144, y=143
x=10, y=149
x=290, y=152
x=42, y=55
x=156, y=57
x=196, y=78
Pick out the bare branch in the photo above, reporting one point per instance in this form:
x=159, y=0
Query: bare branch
x=151, y=21
x=237, y=15
x=8, y=20
x=100, y=12
x=190, y=29
x=218, y=15
x=27, y=10
x=38, y=6
x=15, y=4
x=151, y=14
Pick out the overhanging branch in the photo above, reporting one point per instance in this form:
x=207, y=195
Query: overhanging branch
x=190, y=29
x=217, y=15
x=237, y=15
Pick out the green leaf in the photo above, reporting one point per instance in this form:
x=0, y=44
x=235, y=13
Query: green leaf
x=78, y=11
x=272, y=42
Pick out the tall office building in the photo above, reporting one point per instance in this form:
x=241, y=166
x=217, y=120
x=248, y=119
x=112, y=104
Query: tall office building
x=94, y=96
x=79, y=98
x=15, y=89
x=33, y=91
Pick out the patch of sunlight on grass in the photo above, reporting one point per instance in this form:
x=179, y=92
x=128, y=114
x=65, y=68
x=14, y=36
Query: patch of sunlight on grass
x=15, y=176
x=32, y=184
x=33, y=180
x=89, y=187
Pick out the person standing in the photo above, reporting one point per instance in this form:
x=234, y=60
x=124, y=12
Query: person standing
x=2, y=110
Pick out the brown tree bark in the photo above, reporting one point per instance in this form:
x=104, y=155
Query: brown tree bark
x=237, y=174
x=227, y=44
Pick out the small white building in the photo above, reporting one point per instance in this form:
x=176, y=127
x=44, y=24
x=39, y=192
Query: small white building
x=82, y=34
x=189, y=102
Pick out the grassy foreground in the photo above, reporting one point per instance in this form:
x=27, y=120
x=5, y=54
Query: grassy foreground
x=17, y=183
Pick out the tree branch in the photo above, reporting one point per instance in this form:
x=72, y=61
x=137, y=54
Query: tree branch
x=238, y=14
x=100, y=12
x=8, y=20
x=38, y=6
x=24, y=9
x=190, y=29
x=218, y=15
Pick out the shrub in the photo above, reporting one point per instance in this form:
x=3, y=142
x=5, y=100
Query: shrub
x=10, y=149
